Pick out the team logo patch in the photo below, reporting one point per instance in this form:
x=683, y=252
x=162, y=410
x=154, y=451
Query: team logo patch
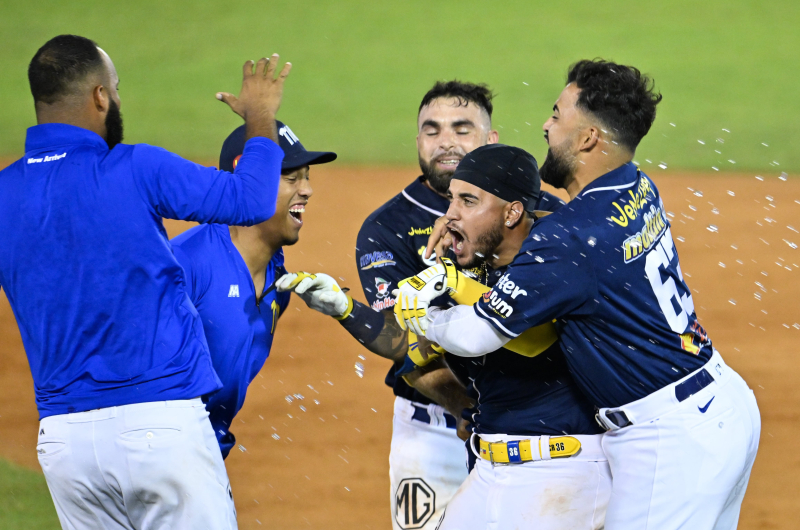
x=415, y=502
x=382, y=286
x=374, y=260
x=655, y=224
x=236, y=161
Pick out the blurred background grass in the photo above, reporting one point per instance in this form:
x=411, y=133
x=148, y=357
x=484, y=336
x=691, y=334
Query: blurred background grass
x=362, y=67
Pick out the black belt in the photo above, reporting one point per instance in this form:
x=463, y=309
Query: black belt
x=421, y=414
x=683, y=391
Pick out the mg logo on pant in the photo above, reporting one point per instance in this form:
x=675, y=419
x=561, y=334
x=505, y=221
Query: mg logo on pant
x=415, y=503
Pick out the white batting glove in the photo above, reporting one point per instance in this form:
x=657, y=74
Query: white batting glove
x=319, y=291
x=413, y=297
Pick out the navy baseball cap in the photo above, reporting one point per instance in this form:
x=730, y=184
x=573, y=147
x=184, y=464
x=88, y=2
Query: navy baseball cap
x=504, y=171
x=294, y=154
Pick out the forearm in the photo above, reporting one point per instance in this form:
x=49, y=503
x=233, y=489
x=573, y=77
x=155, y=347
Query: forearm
x=437, y=382
x=260, y=124
x=377, y=331
x=461, y=332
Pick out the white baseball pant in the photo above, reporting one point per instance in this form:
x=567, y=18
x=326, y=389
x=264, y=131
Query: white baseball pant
x=427, y=464
x=142, y=466
x=684, y=464
x=569, y=493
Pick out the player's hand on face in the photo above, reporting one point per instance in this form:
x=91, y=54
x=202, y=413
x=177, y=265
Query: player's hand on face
x=261, y=93
x=413, y=296
x=319, y=291
x=439, y=240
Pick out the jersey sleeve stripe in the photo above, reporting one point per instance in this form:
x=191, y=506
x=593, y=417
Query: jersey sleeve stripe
x=501, y=328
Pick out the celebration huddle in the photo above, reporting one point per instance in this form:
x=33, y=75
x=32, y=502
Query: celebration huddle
x=548, y=367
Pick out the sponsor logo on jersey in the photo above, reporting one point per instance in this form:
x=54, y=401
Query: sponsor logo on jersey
x=630, y=209
x=430, y=262
x=377, y=259
x=47, y=158
x=695, y=339
x=504, y=286
x=233, y=291
x=420, y=231
x=380, y=305
x=382, y=286
x=415, y=502
x=655, y=223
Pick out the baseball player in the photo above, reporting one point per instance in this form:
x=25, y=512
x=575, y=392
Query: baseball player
x=230, y=274
x=682, y=426
x=540, y=461
x=426, y=462
x=116, y=349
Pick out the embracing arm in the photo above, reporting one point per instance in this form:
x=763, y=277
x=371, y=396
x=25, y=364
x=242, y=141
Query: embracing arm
x=461, y=332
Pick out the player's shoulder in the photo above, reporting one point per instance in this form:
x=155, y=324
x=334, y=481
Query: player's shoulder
x=201, y=243
x=415, y=205
x=549, y=202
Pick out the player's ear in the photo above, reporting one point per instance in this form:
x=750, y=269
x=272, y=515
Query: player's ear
x=513, y=214
x=590, y=138
x=493, y=138
x=100, y=99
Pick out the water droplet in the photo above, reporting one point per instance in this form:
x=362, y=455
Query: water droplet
x=720, y=141
x=359, y=370
x=662, y=165
x=241, y=448
x=275, y=436
x=765, y=145
x=302, y=408
x=732, y=161
x=715, y=168
x=592, y=241
x=721, y=264
x=289, y=399
x=712, y=228
x=731, y=193
x=538, y=259
x=769, y=198
x=783, y=176
x=791, y=245
x=698, y=193
x=692, y=208
x=701, y=142
x=715, y=211
x=759, y=177
x=732, y=301
x=681, y=239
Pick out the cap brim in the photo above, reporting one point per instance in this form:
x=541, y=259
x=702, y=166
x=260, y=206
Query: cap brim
x=308, y=158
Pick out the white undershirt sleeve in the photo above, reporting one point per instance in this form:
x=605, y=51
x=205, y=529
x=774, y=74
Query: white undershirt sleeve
x=461, y=332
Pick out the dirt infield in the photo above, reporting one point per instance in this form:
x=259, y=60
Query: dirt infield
x=321, y=461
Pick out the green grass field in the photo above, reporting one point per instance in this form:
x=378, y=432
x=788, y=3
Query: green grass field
x=361, y=68
x=24, y=500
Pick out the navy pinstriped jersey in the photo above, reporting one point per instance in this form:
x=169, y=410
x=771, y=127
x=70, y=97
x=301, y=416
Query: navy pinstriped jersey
x=239, y=327
x=607, y=268
x=519, y=395
x=389, y=248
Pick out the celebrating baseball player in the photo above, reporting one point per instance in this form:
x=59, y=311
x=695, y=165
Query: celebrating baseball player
x=426, y=462
x=231, y=273
x=682, y=426
x=115, y=346
x=541, y=464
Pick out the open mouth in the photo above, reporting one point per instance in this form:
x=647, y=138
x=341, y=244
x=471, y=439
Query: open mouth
x=296, y=213
x=458, y=241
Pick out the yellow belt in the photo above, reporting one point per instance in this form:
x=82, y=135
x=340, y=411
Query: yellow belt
x=540, y=448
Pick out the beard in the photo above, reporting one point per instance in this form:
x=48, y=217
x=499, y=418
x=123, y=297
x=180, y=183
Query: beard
x=558, y=167
x=114, y=129
x=485, y=246
x=438, y=180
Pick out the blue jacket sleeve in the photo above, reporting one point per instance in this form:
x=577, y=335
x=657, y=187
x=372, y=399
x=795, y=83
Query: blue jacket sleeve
x=179, y=189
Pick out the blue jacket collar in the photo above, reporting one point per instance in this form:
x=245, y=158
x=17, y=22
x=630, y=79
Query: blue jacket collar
x=623, y=177
x=50, y=135
x=422, y=195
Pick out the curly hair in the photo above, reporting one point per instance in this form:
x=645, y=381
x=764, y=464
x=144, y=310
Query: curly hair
x=620, y=97
x=466, y=93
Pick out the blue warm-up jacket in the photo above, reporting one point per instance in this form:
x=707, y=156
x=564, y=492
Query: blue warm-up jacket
x=99, y=297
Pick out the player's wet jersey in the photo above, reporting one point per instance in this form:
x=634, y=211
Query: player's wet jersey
x=238, y=327
x=606, y=267
x=520, y=395
x=389, y=248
